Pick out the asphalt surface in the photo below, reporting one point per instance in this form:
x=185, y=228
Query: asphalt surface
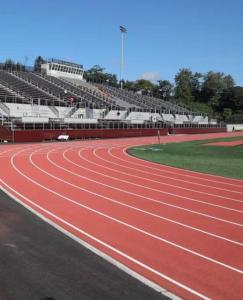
x=37, y=262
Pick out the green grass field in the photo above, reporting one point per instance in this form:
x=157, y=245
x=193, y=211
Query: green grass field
x=217, y=160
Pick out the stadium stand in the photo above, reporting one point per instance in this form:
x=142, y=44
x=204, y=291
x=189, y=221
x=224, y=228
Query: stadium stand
x=200, y=120
x=139, y=117
x=27, y=89
x=144, y=117
x=80, y=121
x=34, y=120
x=4, y=110
x=59, y=98
x=168, y=118
x=181, y=119
x=27, y=110
x=86, y=97
x=65, y=112
x=6, y=93
x=116, y=115
x=143, y=101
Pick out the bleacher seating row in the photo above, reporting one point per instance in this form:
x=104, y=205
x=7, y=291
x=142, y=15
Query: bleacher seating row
x=50, y=90
x=34, y=111
x=143, y=101
x=29, y=97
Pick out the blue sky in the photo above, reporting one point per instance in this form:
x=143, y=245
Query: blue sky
x=163, y=35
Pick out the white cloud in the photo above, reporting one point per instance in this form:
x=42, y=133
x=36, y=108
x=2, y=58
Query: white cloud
x=151, y=76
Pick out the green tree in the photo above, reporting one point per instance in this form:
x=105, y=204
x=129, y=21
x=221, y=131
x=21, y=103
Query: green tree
x=196, y=85
x=237, y=98
x=9, y=64
x=184, y=81
x=38, y=62
x=227, y=113
x=145, y=86
x=129, y=85
x=164, y=89
x=214, y=86
x=97, y=74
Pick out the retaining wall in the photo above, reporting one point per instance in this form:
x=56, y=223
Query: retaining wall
x=43, y=135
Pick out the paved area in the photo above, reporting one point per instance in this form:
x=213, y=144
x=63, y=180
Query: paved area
x=38, y=262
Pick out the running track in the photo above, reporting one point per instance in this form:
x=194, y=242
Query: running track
x=173, y=229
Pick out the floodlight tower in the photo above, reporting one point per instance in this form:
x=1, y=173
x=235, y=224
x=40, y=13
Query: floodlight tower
x=123, y=30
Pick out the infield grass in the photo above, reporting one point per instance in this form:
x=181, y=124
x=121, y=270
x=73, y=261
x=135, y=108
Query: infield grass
x=196, y=156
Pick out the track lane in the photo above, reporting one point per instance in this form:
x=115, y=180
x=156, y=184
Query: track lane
x=58, y=208
x=181, y=200
x=185, y=291
x=206, y=179
x=169, y=186
x=169, y=250
x=72, y=194
x=179, y=182
x=77, y=168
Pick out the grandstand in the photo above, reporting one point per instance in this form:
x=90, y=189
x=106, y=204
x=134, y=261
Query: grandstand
x=59, y=98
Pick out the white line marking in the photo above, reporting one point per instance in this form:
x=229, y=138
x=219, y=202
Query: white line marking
x=160, y=191
x=119, y=221
x=100, y=253
x=159, y=182
x=176, y=179
x=188, y=171
x=185, y=170
x=131, y=193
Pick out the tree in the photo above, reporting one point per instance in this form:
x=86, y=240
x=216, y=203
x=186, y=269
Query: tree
x=145, y=86
x=196, y=85
x=129, y=85
x=184, y=81
x=13, y=66
x=97, y=74
x=164, y=89
x=38, y=62
x=237, y=98
x=227, y=113
x=214, y=86
x=9, y=64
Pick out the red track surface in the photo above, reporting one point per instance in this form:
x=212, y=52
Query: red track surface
x=227, y=144
x=179, y=229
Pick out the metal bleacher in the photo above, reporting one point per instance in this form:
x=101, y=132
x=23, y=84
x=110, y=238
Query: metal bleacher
x=86, y=96
x=28, y=98
x=23, y=88
x=143, y=101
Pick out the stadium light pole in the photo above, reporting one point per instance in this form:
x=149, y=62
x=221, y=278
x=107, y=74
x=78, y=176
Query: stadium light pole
x=123, y=30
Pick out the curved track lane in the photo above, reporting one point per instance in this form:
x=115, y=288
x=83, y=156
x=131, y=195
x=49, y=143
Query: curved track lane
x=176, y=229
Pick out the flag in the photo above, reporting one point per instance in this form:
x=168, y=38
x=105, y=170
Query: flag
x=123, y=29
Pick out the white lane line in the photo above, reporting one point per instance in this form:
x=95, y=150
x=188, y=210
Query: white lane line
x=161, y=182
x=96, y=250
x=187, y=171
x=108, y=258
x=175, y=179
x=166, y=203
x=4, y=154
x=119, y=221
x=180, y=173
x=130, y=193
